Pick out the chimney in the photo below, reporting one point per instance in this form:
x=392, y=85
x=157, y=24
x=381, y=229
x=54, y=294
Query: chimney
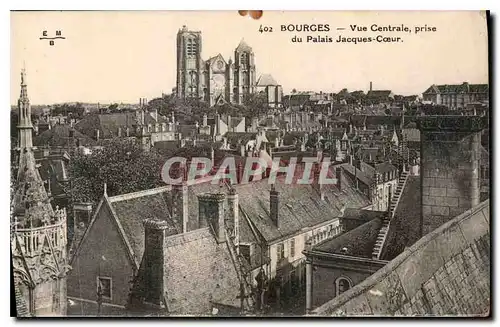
x=239, y=172
x=316, y=182
x=229, y=123
x=233, y=220
x=255, y=124
x=371, y=86
x=274, y=205
x=155, y=232
x=211, y=212
x=450, y=158
x=82, y=213
x=338, y=176
x=180, y=204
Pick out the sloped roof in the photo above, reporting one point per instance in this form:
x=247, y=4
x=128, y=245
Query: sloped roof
x=411, y=134
x=457, y=88
x=379, y=93
x=404, y=230
x=358, y=241
x=133, y=208
x=384, y=167
x=243, y=47
x=235, y=138
x=59, y=135
x=362, y=176
x=300, y=206
x=107, y=124
x=266, y=80
x=200, y=271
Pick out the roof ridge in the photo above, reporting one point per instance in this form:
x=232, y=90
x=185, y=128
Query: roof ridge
x=133, y=195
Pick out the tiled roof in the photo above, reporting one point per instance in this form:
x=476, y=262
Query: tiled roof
x=384, y=167
x=200, y=271
x=353, y=171
x=411, y=134
x=359, y=242
x=300, y=206
x=59, y=135
x=379, y=93
x=132, y=209
x=107, y=124
x=236, y=138
x=458, y=88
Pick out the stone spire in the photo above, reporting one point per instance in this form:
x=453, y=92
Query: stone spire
x=24, y=127
x=38, y=233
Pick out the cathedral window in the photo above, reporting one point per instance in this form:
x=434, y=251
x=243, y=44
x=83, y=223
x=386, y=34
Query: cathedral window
x=244, y=59
x=191, y=47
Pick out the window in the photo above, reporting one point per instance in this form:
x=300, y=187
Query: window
x=280, y=249
x=292, y=247
x=104, y=286
x=342, y=284
x=245, y=252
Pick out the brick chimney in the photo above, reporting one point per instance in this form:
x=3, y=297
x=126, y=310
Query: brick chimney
x=155, y=233
x=233, y=221
x=338, y=176
x=211, y=211
x=274, y=205
x=450, y=155
x=180, y=205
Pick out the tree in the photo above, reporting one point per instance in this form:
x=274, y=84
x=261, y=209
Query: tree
x=123, y=165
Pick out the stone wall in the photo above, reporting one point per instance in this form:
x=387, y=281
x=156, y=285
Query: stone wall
x=447, y=272
x=450, y=152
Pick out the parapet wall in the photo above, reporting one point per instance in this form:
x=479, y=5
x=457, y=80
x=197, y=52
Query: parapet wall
x=445, y=273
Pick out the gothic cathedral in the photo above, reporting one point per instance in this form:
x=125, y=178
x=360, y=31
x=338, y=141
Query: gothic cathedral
x=214, y=80
x=38, y=232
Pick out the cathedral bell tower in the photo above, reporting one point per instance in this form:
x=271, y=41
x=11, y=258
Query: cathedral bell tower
x=189, y=64
x=38, y=232
x=244, y=72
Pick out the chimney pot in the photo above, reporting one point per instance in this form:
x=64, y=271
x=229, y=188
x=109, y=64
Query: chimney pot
x=274, y=205
x=211, y=212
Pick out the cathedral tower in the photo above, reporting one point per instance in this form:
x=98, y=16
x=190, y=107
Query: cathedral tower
x=189, y=64
x=38, y=232
x=244, y=72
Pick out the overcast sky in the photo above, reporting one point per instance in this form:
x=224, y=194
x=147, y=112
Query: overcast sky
x=122, y=56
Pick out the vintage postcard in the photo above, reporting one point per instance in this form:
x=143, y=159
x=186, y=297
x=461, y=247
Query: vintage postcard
x=250, y=163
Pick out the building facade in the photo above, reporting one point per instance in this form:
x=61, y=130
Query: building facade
x=215, y=80
x=458, y=95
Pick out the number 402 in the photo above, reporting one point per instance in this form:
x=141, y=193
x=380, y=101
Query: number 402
x=263, y=29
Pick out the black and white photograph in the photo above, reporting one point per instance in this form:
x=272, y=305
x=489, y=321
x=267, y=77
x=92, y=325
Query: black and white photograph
x=250, y=163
